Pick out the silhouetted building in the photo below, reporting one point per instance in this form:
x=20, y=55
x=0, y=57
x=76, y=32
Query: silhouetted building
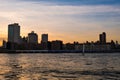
x=24, y=39
x=44, y=41
x=33, y=38
x=4, y=44
x=69, y=46
x=79, y=47
x=12, y=46
x=56, y=45
x=44, y=45
x=112, y=44
x=102, y=38
x=14, y=33
x=97, y=47
x=44, y=38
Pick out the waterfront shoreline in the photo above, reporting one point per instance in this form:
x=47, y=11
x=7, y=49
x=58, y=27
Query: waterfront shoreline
x=56, y=51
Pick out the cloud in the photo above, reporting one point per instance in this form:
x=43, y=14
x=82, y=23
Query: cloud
x=56, y=9
x=77, y=2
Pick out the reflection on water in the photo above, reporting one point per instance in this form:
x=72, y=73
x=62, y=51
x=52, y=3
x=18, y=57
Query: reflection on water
x=59, y=67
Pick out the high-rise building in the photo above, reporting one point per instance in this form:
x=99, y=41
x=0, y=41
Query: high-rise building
x=14, y=33
x=44, y=38
x=102, y=38
x=44, y=41
x=33, y=38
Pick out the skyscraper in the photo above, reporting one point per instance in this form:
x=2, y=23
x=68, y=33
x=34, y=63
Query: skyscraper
x=102, y=38
x=44, y=38
x=14, y=33
x=44, y=41
x=33, y=38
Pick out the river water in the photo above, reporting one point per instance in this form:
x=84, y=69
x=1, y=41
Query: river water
x=62, y=66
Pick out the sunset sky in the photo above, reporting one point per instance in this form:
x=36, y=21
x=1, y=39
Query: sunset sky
x=67, y=20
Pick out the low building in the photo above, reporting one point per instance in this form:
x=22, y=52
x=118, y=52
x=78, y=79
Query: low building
x=79, y=47
x=91, y=47
x=4, y=44
x=57, y=45
x=69, y=46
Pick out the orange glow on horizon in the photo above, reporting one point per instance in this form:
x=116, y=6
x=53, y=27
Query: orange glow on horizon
x=66, y=37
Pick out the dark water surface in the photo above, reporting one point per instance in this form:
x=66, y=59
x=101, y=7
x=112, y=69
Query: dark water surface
x=60, y=66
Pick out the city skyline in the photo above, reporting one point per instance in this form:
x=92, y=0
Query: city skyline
x=30, y=42
x=69, y=21
x=14, y=36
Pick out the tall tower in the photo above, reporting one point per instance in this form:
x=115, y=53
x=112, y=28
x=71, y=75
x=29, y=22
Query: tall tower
x=102, y=38
x=14, y=33
x=44, y=38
